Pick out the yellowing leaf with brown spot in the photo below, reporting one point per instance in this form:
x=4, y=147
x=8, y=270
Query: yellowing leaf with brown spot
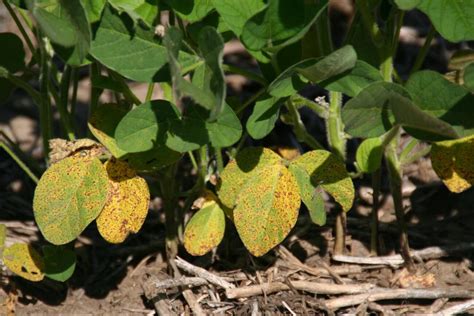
x=24, y=260
x=244, y=167
x=69, y=196
x=206, y=228
x=453, y=161
x=322, y=168
x=267, y=208
x=127, y=203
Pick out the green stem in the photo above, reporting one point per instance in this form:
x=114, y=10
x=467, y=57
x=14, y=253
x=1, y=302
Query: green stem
x=408, y=148
x=127, y=93
x=220, y=160
x=335, y=127
x=63, y=103
x=22, y=29
x=168, y=189
x=75, y=84
x=95, y=92
x=250, y=100
x=337, y=143
x=369, y=22
x=20, y=83
x=318, y=109
x=18, y=161
x=247, y=74
x=193, y=160
x=149, y=92
x=374, y=224
x=299, y=129
x=45, y=106
x=420, y=153
x=420, y=58
x=395, y=174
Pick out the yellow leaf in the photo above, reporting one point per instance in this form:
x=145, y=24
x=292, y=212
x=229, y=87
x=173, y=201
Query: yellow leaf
x=25, y=261
x=127, y=203
x=206, y=228
x=453, y=161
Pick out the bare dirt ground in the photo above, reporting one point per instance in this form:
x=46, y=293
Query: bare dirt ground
x=300, y=277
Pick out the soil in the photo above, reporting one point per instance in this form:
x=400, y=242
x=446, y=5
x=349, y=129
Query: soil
x=121, y=279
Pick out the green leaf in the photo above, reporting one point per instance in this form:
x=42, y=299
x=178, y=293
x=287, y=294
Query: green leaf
x=145, y=126
x=352, y=82
x=453, y=19
x=143, y=10
x=407, y=4
x=419, y=124
x=12, y=59
x=264, y=116
x=60, y=262
x=453, y=162
x=69, y=196
x=12, y=54
x=211, y=47
x=280, y=24
x=135, y=53
x=445, y=100
x=102, y=124
x=369, y=155
x=236, y=13
x=25, y=261
x=322, y=168
x=211, y=89
x=469, y=77
x=158, y=123
x=93, y=9
x=315, y=69
x=191, y=10
x=196, y=130
x=337, y=62
x=310, y=194
x=363, y=43
x=65, y=23
x=368, y=114
x=206, y=229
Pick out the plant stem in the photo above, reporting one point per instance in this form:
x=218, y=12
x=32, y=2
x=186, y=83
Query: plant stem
x=149, y=92
x=20, y=83
x=45, y=105
x=18, y=161
x=395, y=173
x=127, y=93
x=299, y=129
x=369, y=22
x=75, y=84
x=250, y=100
x=336, y=138
x=317, y=108
x=63, y=103
x=420, y=58
x=94, y=71
x=247, y=74
x=337, y=143
x=374, y=224
x=168, y=189
x=22, y=29
x=220, y=160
